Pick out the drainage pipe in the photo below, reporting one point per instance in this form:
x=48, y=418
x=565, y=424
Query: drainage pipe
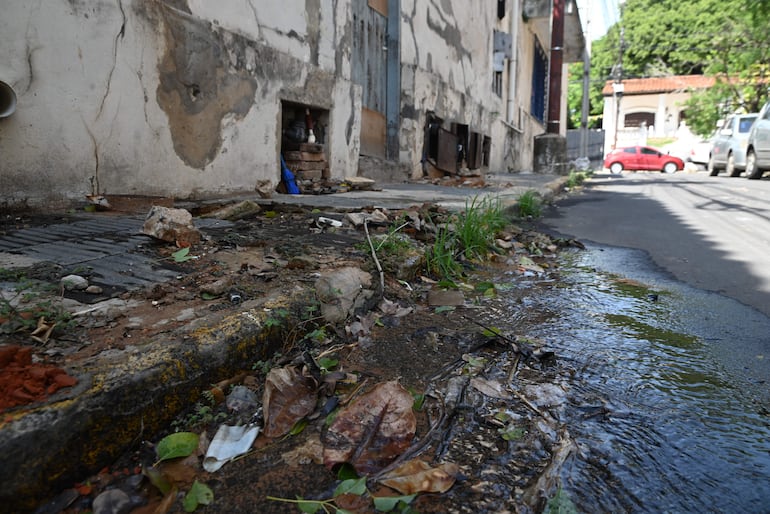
x=7, y=100
x=515, y=14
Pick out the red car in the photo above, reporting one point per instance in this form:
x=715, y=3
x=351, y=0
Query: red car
x=642, y=158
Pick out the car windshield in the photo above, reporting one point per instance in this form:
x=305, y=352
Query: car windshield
x=745, y=124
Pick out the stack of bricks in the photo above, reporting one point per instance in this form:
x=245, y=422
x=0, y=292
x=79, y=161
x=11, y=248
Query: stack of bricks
x=308, y=163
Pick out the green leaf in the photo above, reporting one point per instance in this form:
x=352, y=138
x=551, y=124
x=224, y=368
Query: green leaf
x=388, y=503
x=352, y=486
x=512, y=433
x=560, y=504
x=180, y=444
x=199, y=494
x=298, y=427
x=492, y=332
x=448, y=284
x=308, y=506
x=502, y=416
x=327, y=364
x=419, y=399
x=182, y=255
x=444, y=308
x=208, y=296
x=484, y=286
x=347, y=472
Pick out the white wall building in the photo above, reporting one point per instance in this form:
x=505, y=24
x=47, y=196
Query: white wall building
x=191, y=98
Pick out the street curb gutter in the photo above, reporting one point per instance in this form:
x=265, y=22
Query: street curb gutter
x=123, y=397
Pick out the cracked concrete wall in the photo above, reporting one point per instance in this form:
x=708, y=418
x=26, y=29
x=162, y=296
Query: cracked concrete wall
x=166, y=97
x=446, y=53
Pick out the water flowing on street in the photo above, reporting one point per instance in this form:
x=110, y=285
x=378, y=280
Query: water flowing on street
x=669, y=403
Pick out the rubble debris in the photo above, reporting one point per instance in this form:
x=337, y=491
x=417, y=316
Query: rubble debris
x=360, y=183
x=23, y=382
x=235, y=212
x=342, y=292
x=74, y=283
x=172, y=225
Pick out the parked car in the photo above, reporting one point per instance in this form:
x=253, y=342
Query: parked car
x=758, y=145
x=728, y=147
x=699, y=153
x=637, y=158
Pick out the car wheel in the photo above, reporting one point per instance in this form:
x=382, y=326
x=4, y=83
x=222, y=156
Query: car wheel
x=730, y=168
x=752, y=171
x=616, y=168
x=670, y=167
x=712, y=169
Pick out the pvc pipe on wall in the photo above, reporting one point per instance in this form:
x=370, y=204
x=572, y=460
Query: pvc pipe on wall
x=7, y=100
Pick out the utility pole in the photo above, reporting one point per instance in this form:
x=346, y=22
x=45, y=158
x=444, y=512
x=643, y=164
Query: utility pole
x=617, y=85
x=585, y=106
x=556, y=62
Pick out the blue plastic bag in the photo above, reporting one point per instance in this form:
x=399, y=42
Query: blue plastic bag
x=288, y=178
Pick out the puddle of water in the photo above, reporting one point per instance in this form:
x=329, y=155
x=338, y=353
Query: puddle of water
x=680, y=375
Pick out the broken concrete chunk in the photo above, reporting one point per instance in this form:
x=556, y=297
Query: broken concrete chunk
x=74, y=283
x=360, y=182
x=376, y=217
x=94, y=290
x=217, y=288
x=264, y=188
x=235, y=211
x=342, y=292
x=172, y=225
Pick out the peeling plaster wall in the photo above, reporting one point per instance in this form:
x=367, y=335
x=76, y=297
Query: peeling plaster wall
x=446, y=54
x=166, y=97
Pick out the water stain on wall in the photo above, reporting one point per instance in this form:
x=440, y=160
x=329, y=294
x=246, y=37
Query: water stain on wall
x=198, y=87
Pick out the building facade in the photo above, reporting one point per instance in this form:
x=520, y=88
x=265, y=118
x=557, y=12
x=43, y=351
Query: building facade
x=193, y=99
x=649, y=107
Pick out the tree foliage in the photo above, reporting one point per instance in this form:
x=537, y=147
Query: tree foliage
x=726, y=39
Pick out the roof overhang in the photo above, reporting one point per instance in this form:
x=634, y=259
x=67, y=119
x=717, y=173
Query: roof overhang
x=538, y=13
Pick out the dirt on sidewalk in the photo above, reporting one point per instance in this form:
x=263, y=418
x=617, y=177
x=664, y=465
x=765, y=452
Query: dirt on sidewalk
x=478, y=383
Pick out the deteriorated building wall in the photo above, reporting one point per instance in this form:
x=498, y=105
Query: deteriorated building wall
x=446, y=55
x=166, y=97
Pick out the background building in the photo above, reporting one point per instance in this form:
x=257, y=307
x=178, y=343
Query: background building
x=194, y=99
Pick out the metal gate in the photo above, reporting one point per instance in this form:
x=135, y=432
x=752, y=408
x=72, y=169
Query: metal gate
x=369, y=70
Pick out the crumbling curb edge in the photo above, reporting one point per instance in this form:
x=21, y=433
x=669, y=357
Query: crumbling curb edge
x=127, y=398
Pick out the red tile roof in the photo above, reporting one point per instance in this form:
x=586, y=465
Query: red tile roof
x=661, y=84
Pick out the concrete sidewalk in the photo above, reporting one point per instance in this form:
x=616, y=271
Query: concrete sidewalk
x=505, y=186
x=106, y=242
x=179, y=345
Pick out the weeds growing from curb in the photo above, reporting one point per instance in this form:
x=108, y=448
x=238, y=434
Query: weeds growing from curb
x=470, y=236
x=530, y=205
x=478, y=225
x=30, y=304
x=576, y=178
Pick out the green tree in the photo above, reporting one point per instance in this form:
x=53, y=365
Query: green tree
x=721, y=38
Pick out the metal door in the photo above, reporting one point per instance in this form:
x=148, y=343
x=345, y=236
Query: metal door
x=369, y=70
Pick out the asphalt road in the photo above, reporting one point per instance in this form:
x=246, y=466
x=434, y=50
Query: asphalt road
x=712, y=233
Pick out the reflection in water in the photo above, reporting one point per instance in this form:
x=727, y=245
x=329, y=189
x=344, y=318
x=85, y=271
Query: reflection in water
x=687, y=427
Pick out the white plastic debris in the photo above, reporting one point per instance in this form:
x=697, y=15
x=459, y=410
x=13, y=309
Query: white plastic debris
x=229, y=443
x=328, y=221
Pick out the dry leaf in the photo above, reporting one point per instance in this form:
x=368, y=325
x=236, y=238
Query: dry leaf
x=374, y=430
x=289, y=396
x=311, y=451
x=181, y=472
x=490, y=388
x=416, y=476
